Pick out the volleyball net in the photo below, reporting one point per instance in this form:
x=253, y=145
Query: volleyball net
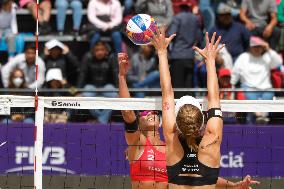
x=69, y=147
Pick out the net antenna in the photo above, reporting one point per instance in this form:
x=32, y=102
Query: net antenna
x=39, y=116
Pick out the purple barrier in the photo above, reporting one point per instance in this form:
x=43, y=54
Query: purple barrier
x=85, y=149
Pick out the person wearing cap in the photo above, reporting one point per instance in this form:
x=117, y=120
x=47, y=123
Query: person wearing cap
x=253, y=69
x=146, y=151
x=192, y=148
x=58, y=55
x=234, y=34
x=181, y=55
x=260, y=18
x=54, y=80
x=26, y=62
x=224, y=77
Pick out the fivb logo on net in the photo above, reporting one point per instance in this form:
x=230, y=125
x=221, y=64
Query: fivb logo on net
x=52, y=158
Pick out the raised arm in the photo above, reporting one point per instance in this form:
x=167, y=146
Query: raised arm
x=128, y=115
x=209, y=53
x=160, y=42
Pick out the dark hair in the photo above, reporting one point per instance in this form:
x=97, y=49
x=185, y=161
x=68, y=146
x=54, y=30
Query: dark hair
x=11, y=76
x=103, y=44
x=29, y=46
x=3, y=2
x=189, y=120
x=185, y=7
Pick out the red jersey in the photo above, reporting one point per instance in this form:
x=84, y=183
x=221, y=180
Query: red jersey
x=151, y=166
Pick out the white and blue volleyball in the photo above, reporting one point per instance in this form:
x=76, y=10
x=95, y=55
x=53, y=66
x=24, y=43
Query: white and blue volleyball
x=140, y=26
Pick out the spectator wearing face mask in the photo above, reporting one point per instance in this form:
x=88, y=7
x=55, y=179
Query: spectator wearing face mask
x=17, y=81
x=25, y=62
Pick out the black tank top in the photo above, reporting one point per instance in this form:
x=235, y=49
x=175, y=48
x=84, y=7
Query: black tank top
x=190, y=164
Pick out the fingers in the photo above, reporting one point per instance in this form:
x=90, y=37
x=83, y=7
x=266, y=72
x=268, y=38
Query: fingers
x=249, y=181
x=171, y=38
x=158, y=30
x=254, y=182
x=213, y=39
x=217, y=42
x=199, y=51
x=207, y=39
x=154, y=36
x=219, y=49
x=151, y=39
x=163, y=30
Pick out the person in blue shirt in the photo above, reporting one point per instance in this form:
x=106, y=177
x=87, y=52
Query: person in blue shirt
x=181, y=55
x=234, y=34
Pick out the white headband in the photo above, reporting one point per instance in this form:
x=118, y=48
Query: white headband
x=188, y=100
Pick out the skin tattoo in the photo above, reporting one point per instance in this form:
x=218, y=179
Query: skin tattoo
x=166, y=106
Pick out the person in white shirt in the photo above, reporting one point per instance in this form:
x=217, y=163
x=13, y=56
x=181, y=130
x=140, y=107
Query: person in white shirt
x=25, y=62
x=253, y=69
x=106, y=16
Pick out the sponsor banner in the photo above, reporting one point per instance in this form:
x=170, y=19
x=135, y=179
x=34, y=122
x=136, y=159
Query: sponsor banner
x=156, y=104
x=101, y=103
x=86, y=149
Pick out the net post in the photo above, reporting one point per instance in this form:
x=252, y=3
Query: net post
x=38, y=144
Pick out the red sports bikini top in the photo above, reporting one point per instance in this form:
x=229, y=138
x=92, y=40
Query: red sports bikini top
x=151, y=166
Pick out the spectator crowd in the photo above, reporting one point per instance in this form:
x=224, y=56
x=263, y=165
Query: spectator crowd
x=252, y=30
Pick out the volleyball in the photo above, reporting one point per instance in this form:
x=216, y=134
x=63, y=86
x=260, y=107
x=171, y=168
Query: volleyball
x=140, y=26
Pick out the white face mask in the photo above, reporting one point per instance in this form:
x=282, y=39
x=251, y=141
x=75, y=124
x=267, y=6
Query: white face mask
x=18, y=81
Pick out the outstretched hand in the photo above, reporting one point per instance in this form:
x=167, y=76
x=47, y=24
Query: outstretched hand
x=123, y=63
x=159, y=40
x=212, y=48
x=246, y=183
